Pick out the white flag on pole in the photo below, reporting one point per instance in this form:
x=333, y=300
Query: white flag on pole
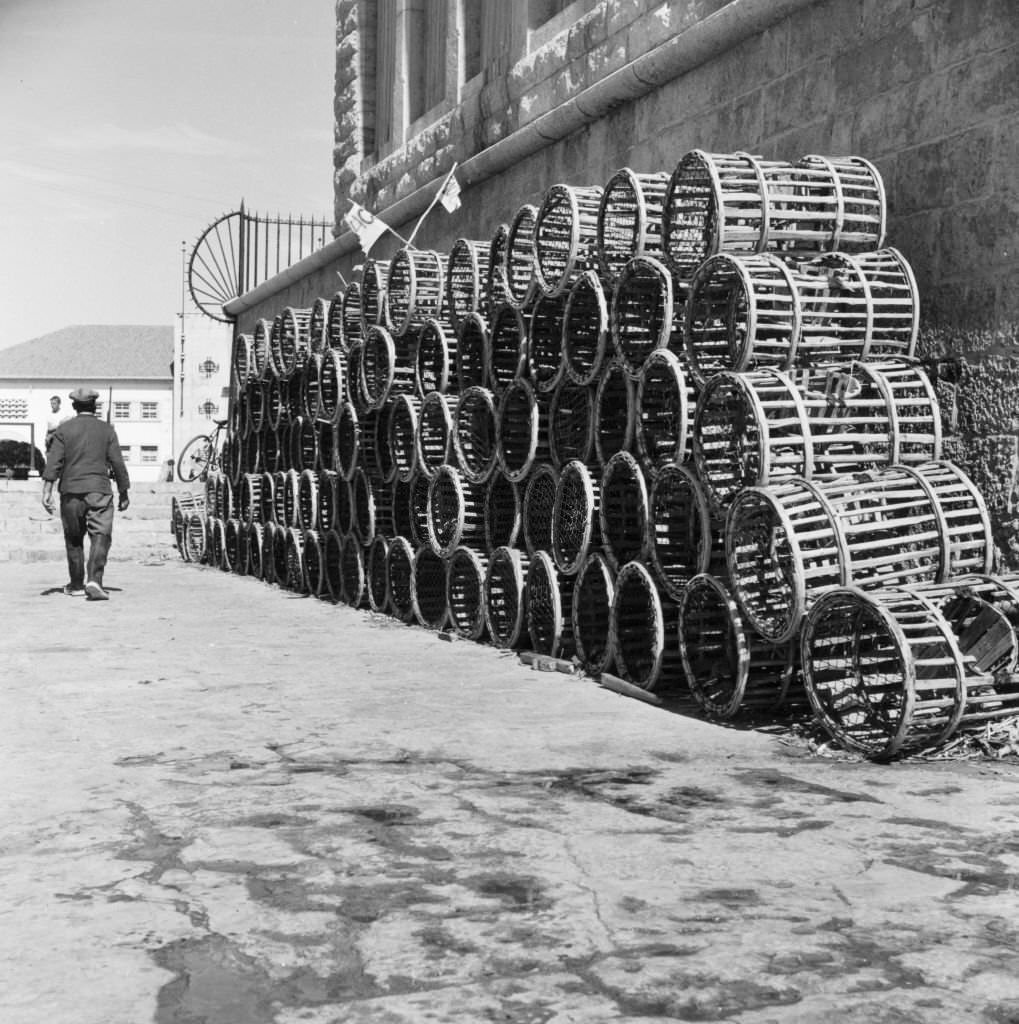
x=450, y=194
x=365, y=225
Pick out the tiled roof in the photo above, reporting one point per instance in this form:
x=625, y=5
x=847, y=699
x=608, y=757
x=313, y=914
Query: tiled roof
x=93, y=352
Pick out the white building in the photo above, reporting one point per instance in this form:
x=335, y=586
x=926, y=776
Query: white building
x=130, y=367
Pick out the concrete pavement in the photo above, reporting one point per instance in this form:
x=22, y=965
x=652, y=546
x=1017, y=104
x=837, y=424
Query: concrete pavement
x=223, y=803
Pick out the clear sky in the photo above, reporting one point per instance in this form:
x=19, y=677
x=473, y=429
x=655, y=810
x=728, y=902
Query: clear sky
x=127, y=126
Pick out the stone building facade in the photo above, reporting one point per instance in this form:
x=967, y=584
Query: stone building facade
x=527, y=93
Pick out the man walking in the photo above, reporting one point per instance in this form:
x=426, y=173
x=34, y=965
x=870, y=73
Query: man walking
x=83, y=452
x=55, y=419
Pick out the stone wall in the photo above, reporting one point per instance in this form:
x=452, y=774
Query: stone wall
x=926, y=89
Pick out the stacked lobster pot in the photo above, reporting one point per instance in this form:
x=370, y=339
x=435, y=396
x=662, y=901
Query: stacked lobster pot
x=669, y=429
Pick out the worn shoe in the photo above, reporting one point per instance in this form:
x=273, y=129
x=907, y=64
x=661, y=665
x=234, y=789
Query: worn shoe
x=74, y=591
x=95, y=592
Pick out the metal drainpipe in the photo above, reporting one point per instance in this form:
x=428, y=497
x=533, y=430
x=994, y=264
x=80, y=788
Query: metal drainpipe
x=729, y=26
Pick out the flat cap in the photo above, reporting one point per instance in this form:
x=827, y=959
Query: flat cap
x=84, y=395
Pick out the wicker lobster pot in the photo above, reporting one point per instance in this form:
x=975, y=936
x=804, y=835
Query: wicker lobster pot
x=386, y=369
x=345, y=319
x=318, y=326
x=292, y=393
x=403, y=435
x=644, y=653
x=293, y=345
x=293, y=546
x=216, y=543
x=592, y=613
x=311, y=401
x=505, y=602
x=272, y=451
x=503, y=512
x=546, y=359
x=279, y=499
x=418, y=508
x=683, y=539
x=571, y=425
x=414, y=289
x=519, y=259
x=288, y=514
x=566, y=236
x=372, y=307
x=353, y=585
x=274, y=405
x=261, y=365
x=630, y=220
x=267, y=556
x=539, y=508
x=883, y=671
x=435, y=432
x=313, y=563
x=182, y=506
x=760, y=427
x=456, y=512
x=325, y=514
x=729, y=670
x=376, y=572
x=736, y=203
x=752, y=312
x=302, y=444
x=507, y=347
x=476, y=434
x=400, y=579
x=497, y=287
x=280, y=557
x=250, y=498
x=435, y=360
x=623, y=511
x=326, y=446
x=788, y=544
x=254, y=546
x=348, y=441
x=465, y=593
x=402, y=514
x=472, y=353
x=267, y=498
x=574, y=517
x=242, y=361
x=195, y=536
x=331, y=386
x=585, y=334
x=429, y=588
x=332, y=560
x=376, y=455
x=644, y=316
x=236, y=540
x=249, y=449
x=307, y=500
x=665, y=412
x=344, y=506
x=466, y=274
x=549, y=607
x=255, y=402
x=364, y=507
x=615, y=406
x=522, y=430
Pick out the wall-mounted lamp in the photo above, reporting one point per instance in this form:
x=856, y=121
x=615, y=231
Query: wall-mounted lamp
x=208, y=408
x=209, y=367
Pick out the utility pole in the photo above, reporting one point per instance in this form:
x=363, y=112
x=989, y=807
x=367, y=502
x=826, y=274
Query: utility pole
x=183, y=286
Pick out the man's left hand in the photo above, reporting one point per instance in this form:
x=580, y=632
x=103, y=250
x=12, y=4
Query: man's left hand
x=47, y=501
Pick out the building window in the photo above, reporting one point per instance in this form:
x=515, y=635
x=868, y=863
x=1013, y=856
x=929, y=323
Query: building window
x=540, y=11
x=121, y=410
x=150, y=453
x=383, y=59
x=425, y=41
x=472, y=17
x=150, y=410
x=125, y=452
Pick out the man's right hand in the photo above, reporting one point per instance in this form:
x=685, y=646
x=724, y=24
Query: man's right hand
x=123, y=501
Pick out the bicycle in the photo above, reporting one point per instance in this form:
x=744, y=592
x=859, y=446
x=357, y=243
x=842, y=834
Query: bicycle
x=202, y=454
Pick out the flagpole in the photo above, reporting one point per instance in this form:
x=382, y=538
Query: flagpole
x=431, y=205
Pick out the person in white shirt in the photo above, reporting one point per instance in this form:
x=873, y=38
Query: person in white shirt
x=55, y=419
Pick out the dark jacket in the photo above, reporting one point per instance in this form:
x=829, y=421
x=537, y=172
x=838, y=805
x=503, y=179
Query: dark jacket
x=83, y=452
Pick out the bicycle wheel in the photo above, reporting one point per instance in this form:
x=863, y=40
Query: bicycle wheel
x=195, y=457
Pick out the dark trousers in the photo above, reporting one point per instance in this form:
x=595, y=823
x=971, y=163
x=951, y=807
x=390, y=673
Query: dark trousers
x=92, y=514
